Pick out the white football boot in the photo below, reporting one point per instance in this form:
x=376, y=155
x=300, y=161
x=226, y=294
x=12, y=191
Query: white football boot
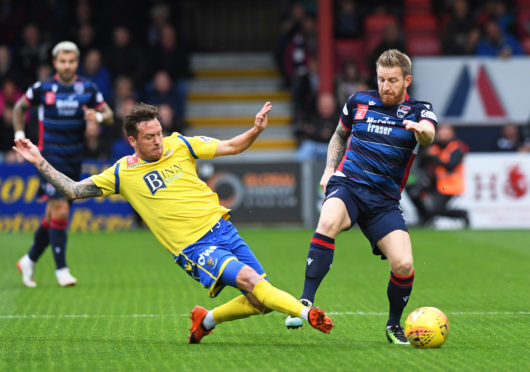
x=293, y=322
x=26, y=267
x=64, y=278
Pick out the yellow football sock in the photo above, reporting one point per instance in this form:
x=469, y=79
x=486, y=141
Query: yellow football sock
x=236, y=308
x=276, y=299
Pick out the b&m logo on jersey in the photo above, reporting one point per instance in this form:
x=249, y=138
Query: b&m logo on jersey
x=154, y=181
x=402, y=111
x=49, y=98
x=361, y=111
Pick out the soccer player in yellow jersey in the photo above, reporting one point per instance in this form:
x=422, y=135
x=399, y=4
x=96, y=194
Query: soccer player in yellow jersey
x=161, y=183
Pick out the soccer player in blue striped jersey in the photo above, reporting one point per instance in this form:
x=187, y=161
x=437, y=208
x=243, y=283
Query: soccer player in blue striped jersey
x=66, y=102
x=368, y=161
x=161, y=183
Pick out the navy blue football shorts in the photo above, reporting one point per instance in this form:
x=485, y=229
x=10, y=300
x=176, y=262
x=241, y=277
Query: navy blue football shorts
x=376, y=214
x=216, y=258
x=47, y=191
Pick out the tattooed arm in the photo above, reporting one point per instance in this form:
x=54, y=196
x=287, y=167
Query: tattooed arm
x=71, y=189
x=336, y=149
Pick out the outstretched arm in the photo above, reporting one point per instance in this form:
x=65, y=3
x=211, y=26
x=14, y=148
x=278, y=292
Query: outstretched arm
x=241, y=142
x=423, y=130
x=336, y=149
x=71, y=189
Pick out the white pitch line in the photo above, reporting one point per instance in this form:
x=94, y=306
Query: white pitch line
x=348, y=313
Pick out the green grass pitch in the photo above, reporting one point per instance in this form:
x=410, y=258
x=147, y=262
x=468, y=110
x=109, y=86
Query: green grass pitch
x=130, y=309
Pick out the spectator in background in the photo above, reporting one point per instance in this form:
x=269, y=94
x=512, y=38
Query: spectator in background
x=7, y=68
x=31, y=54
x=172, y=56
x=9, y=94
x=300, y=66
x=305, y=90
x=93, y=146
x=348, y=22
x=159, y=19
x=315, y=128
x=123, y=90
x=289, y=26
x=86, y=38
x=93, y=69
x=509, y=140
x=349, y=81
x=392, y=39
x=44, y=71
x=161, y=90
x=168, y=120
x=121, y=147
x=504, y=18
x=456, y=31
x=495, y=43
x=124, y=57
x=7, y=155
x=442, y=178
x=496, y=10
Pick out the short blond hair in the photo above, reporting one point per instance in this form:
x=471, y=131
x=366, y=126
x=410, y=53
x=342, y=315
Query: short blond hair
x=65, y=46
x=393, y=58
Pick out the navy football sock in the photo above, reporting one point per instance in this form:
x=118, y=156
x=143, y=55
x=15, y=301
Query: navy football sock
x=41, y=239
x=58, y=242
x=319, y=260
x=398, y=292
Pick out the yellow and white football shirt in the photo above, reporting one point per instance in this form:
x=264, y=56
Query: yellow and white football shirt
x=174, y=202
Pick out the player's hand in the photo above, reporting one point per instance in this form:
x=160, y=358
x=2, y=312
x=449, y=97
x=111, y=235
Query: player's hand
x=413, y=126
x=90, y=115
x=26, y=149
x=423, y=131
x=328, y=172
x=261, y=117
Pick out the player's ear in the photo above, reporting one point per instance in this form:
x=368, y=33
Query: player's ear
x=132, y=141
x=408, y=80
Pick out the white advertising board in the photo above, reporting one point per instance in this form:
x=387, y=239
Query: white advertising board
x=497, y=190
x=474, y=90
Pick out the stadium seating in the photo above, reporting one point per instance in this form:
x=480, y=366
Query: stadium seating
x=349, y=50
x=523, y=23
x=375, y=24
x=420, y=24
x=522, y=4
x=417, y=6
x=423, y=45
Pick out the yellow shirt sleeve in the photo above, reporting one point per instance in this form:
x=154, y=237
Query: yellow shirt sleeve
x=108, y=180
x=201, y=147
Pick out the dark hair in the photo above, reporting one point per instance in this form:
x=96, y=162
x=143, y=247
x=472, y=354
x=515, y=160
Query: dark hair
x=139, y=113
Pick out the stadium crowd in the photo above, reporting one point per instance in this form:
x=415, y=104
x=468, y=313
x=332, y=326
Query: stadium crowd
x=140, y=55
x=144, y=55
x=363, y=30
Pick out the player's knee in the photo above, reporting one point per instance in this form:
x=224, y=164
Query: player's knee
x=59, y=211
x=247, y=278
x=403, y=267
x=329, y=226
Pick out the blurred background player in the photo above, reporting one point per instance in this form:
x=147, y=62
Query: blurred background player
x=369, y=156
x=160, y=181
x=66, y=103
x=442, y=178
